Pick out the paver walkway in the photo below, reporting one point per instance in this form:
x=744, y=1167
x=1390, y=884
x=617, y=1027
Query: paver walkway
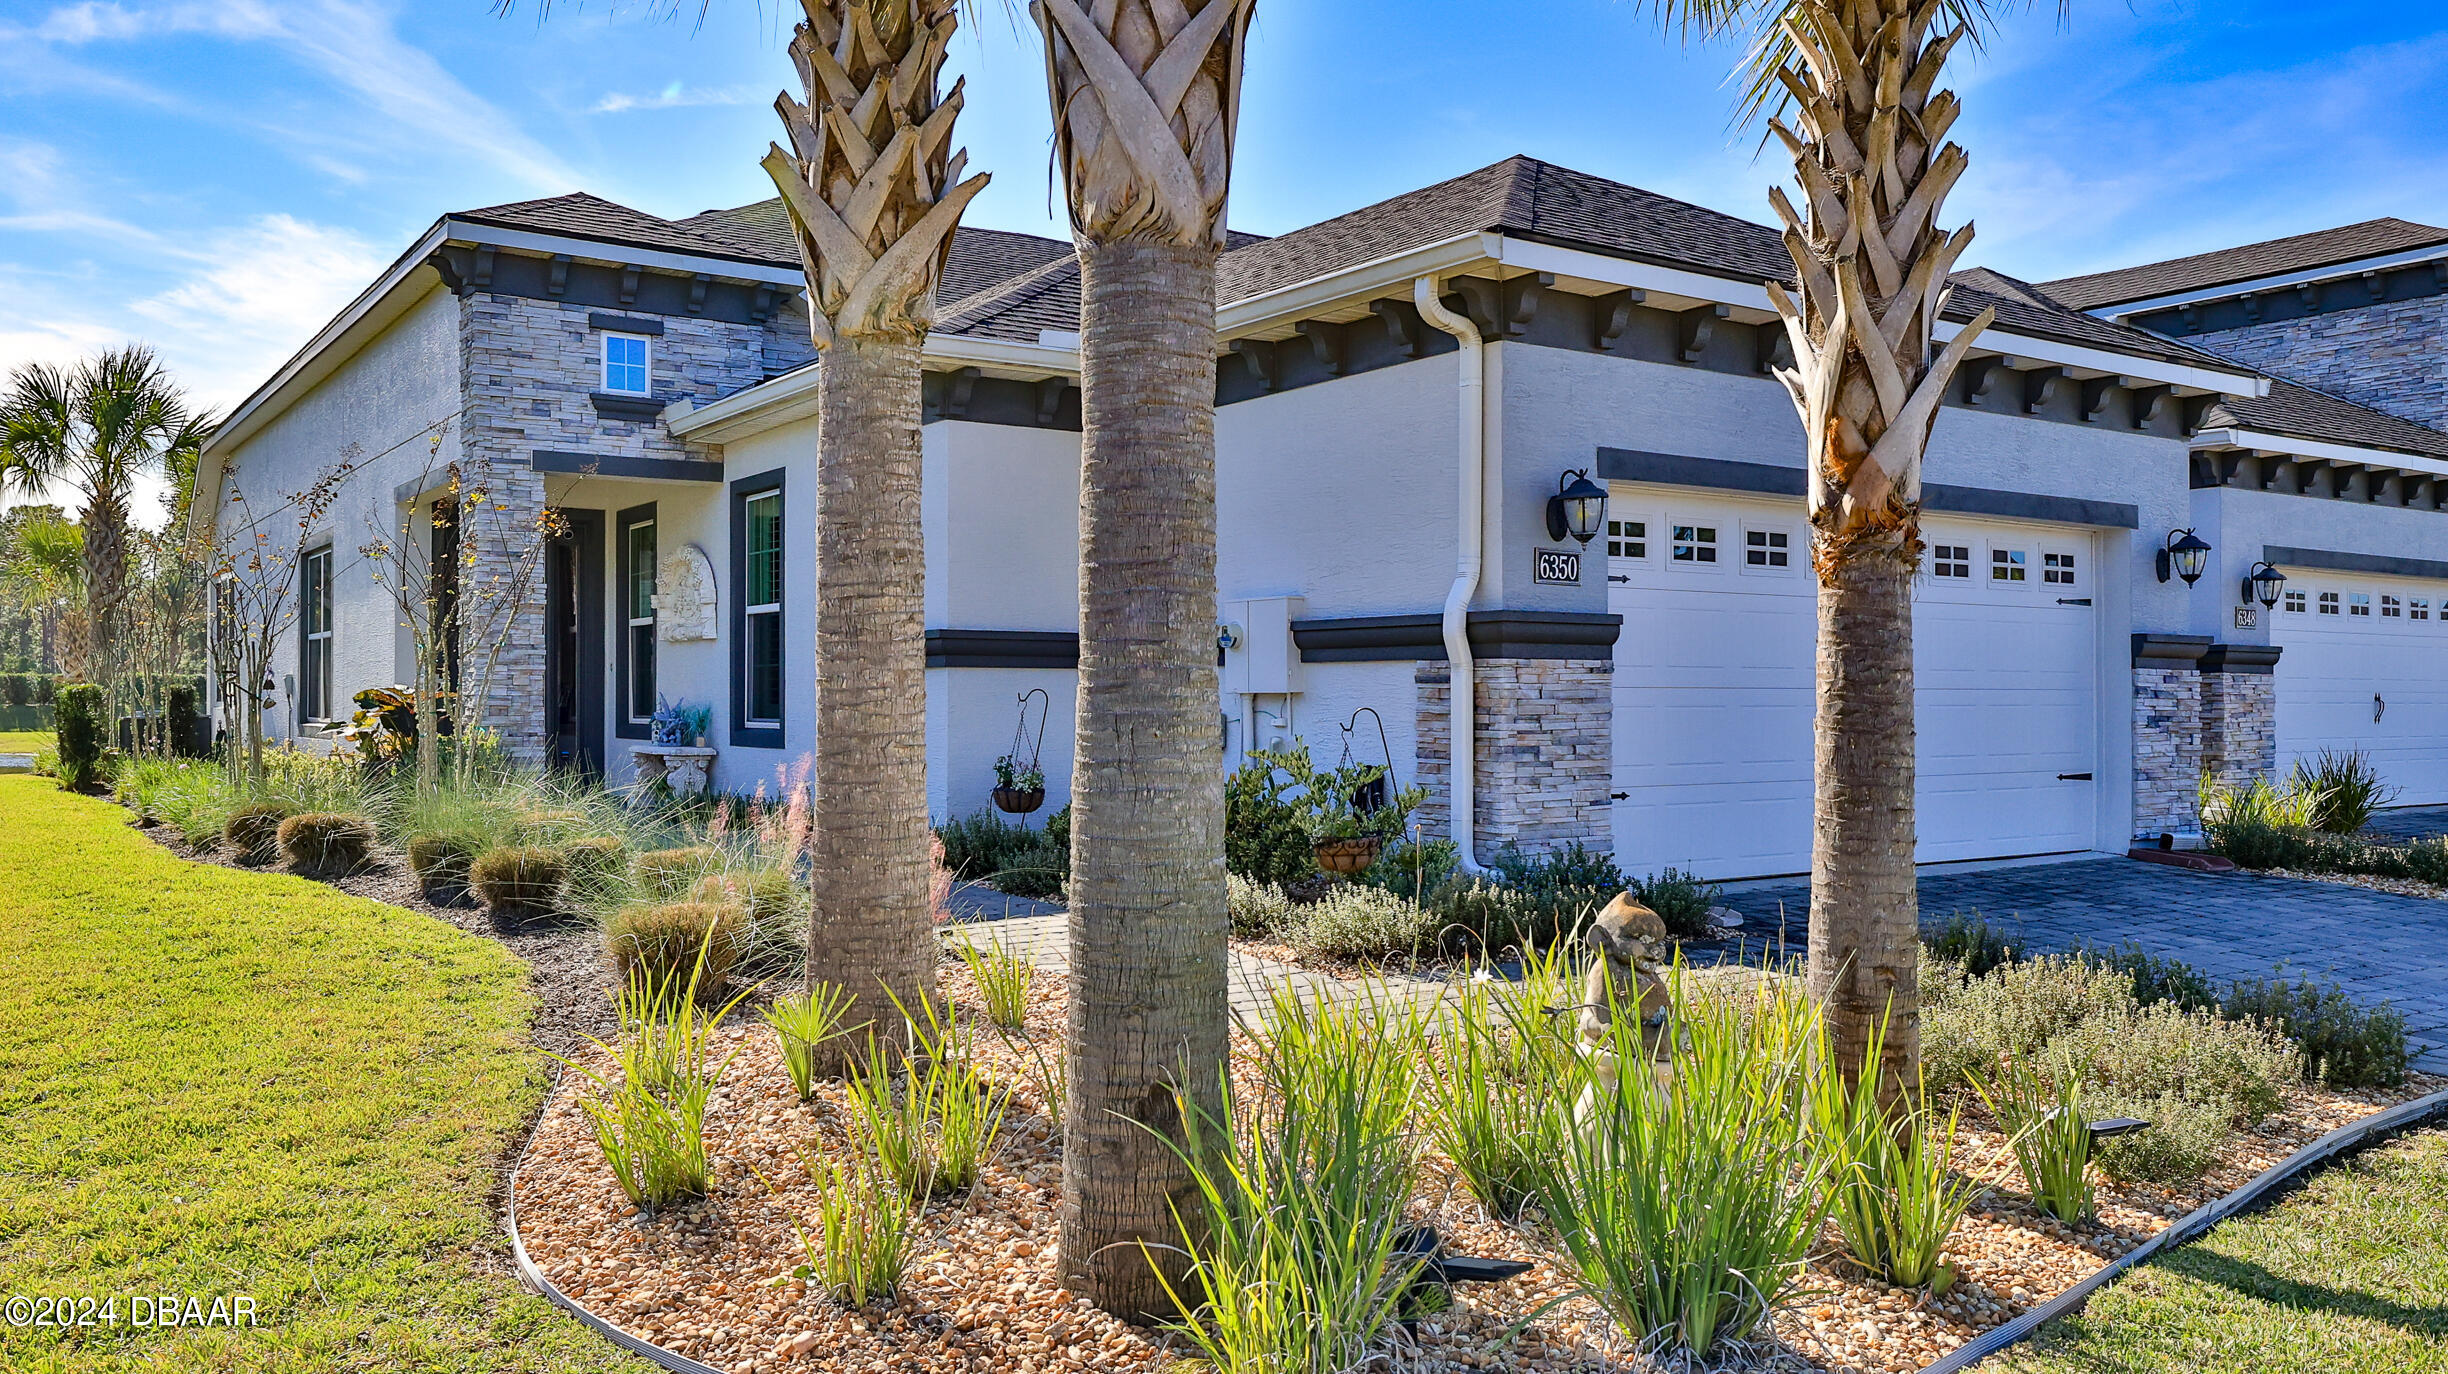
x=2409, y=823
x=2377, y=944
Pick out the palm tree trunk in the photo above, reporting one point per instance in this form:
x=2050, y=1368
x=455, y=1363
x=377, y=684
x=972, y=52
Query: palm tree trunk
x=1863, y=900
x=105, y=582
x=1148, y=1010
x=872, y=932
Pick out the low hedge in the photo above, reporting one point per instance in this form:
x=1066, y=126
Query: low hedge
x=253, y=830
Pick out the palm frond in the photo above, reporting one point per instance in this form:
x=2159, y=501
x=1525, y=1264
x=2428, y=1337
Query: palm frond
x=1766, y=26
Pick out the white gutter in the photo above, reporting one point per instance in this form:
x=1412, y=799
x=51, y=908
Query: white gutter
x=1461, y=701
x=2281, y=281
x=610, y=253
x=2319, y=449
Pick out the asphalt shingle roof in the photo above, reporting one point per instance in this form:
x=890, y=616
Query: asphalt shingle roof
x=580, y=215
x=2302, y=413
x=2298, y=253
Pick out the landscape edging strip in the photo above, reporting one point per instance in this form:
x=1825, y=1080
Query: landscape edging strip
x=534, y=1277
x=2210, y=1214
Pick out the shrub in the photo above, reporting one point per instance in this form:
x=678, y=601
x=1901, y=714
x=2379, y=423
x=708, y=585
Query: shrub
x=2154, y=979
x=179, y=706
x=1680, y=900
x=253, y=830
x=984, y=848
x=1257, y=908
x=1355, y=921
x=2345, y=1044
x=2013, y=1012
x=1264, y=840
x=664, y=942
x=2182, y=1143
x=1489, y=917
x=441, y=863
x=1413, y=868
x=46, y=690
x=519, y=882
x=2345, y=788
x=665, y=875
x=2240, y=1067
x=80, y=728
x=16, y=689
x=1968, y=941
x=550, y=825
x=326, y=844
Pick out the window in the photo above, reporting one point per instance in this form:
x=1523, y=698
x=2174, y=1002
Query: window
x=1627, y=538
x=2418, y=608
x=638, y=615
x=2057, y=569
x=2388, y=608
x=2329, y=603
x=760, y=577
x=625, y=364
x=315, y=637
x=2296, y=602
x=2358, y=603
x=1951, y=560
x=2006, y=565
x=1767, y=549
x=1695, y=544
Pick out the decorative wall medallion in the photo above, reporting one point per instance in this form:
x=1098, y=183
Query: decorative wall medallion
x=687, y=601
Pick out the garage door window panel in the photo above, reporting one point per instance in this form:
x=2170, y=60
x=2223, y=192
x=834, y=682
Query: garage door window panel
x=2009, y=568
x=2358, y=603
x=1767, y=550
x=2297, y=603
x=1695, y=543
x=1951, y=562
x=2328, y=603
x=1628, y=536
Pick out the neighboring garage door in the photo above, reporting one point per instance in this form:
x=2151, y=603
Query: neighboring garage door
x=1713, y=685
x=2364, y=666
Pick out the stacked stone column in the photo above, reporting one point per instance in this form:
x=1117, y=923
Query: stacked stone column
x=1544, y=754
x=2199, y=708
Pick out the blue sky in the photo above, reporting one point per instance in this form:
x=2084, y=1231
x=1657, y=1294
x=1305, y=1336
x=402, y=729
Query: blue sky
x=217, y=176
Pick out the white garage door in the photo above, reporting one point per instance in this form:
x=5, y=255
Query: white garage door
x=1713, y=685
x=2364, y=666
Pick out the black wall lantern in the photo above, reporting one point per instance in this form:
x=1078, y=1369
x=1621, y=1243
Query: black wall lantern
x=2263, y=584
x=1578, y=508
x=2186, y=553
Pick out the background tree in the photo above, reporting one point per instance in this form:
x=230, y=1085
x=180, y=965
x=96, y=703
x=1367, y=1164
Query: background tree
x=1871, y=160
x=874, y=191
x=94, y=429
x=42, y=571
x=255, y=558
x=1145, y=94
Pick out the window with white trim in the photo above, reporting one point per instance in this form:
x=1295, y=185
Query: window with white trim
x=638, y=615
x=1627, y=538
x=315, y=637
x=1767, y=549
x=1951, y=560
x=2418, y=608
x=2297, y=603
x=2008, y=565
x=2328, y=603
x=628, y=364
x=1695, y=545
x=2358, y=603
x=762, y=598
x=2389, y=609
x=2057, y=569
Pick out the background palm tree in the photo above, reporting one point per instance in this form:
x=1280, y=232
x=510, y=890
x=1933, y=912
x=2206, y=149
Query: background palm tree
x=42, y=567
x=93, y=430
x=1871, y=160
x=874, y=192
x=1145, y=95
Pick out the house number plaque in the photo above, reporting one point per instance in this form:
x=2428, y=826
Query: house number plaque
x=1555, y=565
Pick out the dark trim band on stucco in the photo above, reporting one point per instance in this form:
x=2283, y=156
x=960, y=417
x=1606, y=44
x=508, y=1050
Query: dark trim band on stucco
x=2257, y=659
x=2169, y=651
x=623, y=324
x=1421, y=638
x=2332, y=560
x=619, y=465
x=1769, y=479
x=1002, y=649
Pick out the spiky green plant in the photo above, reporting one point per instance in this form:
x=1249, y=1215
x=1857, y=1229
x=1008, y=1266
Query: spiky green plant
x=1891, y=1180
x=1003, y=982
x=2040, y=1107
x=1492, y=1062
x=803, y=1023
x=648, y=1111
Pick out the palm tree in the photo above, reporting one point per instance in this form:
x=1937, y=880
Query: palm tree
x=874, y=191
x=94, y=429
x=1145, y=94
x=42, y=564
x=1860, y=78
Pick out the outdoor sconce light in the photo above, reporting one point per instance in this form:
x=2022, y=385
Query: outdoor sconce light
x=2186, y=553
x=1578, y=508
x=2263, y=584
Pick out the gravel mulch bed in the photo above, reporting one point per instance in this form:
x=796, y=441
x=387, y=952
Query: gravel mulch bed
x=710, y=1279
x=2402, y=887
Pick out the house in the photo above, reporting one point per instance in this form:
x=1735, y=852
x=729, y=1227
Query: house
x=1648, y=693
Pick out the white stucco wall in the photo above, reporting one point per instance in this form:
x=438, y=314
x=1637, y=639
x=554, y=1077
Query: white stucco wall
x=2239, y=524
x=379, y=410
x=1002, y=527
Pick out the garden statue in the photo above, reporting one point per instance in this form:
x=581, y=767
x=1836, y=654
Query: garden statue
x=1626, y=976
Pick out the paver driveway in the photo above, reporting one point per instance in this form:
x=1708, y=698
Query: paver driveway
x=2230, y=925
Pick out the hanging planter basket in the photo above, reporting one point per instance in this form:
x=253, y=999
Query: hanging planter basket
x=1018, y=801
x=1342, y=858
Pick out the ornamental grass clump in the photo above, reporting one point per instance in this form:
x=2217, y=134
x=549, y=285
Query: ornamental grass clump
x=1892, y=1187
x=441, y=863
x=805, y=1025
x=1687, y=1210
x=864, y=1224
x=648, y=1111
x=519, y=882
x=2042, y=1109
x=326, y=844
x=1003, y=982
x=772, y=931
x=253, y=830
x=929, y=1117
x=665, y=941
x=1492, y=1063
x=1297, y=1227
x=666, y=875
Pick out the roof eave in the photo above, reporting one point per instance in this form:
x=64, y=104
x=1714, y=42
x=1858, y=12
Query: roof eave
x=2327, y=450
x=2279, y=281
x=461, y=229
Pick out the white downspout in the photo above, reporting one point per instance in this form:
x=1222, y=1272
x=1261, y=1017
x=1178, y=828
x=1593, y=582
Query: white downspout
x=1462, y=701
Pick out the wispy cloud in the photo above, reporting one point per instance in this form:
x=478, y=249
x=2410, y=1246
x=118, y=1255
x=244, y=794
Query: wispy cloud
x=677, y=96
x=267, y=287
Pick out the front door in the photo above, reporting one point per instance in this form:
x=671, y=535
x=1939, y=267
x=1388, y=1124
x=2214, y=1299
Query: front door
x=573, y=644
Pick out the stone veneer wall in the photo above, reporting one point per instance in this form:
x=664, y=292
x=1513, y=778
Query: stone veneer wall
x=2386, y=356
x=2167, y=747
x=530, y=366
x=1544, y=752
x=2239, y=725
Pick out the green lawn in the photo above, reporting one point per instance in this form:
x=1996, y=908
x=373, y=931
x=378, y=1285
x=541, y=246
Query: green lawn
x=2348, y=1273
x=26, y=741
x=219, y=1084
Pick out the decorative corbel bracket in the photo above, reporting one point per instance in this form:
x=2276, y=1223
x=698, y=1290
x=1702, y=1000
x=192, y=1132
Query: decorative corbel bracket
x=556, y=277
x=1401, y=326
x=1615, y=316
x=2097, y=392
x=1985, y=375
x=1527, y=294
x=1325, y=343
x=2041, y=385
x=1050, y=394
x=629, y=284
x=1697, y=327
x=1258, y=355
